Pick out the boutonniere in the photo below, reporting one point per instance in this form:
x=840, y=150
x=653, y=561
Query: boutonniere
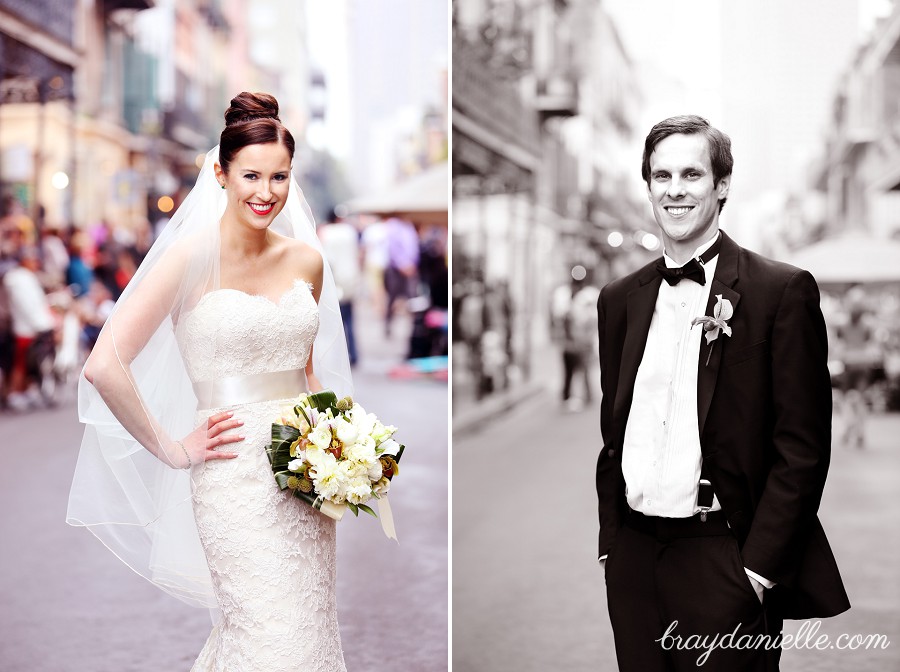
x=722, y=312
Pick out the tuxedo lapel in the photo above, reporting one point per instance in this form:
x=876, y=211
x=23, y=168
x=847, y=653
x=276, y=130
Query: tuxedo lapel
x=640, y=303
x=711, y=353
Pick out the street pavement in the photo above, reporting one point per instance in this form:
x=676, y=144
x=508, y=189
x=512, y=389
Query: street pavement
x=529, y=595
x=68, y=605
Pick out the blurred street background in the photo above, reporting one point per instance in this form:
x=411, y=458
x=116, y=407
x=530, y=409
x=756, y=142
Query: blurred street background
x=106, y=111
x=551, y=102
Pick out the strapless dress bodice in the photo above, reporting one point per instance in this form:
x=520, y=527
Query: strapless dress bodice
x=232, y=333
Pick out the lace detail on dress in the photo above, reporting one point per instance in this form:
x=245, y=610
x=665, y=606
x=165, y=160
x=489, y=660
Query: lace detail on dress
x=271, y=557
x=232, y=333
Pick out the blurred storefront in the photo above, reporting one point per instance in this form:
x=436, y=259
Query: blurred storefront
x=38, y=59
x=860, y=172
x=105, y=105
x=853, y=245
x=542, y=94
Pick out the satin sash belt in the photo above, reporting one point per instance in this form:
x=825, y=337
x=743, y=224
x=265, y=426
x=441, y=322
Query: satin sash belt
x=235, y=390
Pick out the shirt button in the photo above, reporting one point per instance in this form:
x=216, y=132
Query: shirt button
x=683, y=304
x=649, y=502
x=664, y=423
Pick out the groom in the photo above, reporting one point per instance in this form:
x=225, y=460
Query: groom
x=716, y=421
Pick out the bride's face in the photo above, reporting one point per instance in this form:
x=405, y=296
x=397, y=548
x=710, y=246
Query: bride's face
x=257, y=184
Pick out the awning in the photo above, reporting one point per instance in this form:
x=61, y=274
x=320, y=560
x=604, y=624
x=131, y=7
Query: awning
x=851, y=258
x=423, y=198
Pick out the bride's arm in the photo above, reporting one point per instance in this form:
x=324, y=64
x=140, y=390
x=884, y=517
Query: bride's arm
x=108, y=368
x=316, y=272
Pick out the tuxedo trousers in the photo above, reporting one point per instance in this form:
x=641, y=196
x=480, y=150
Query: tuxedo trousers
x=679, y=599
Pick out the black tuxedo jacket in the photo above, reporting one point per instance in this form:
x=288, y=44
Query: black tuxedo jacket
x=764, y=411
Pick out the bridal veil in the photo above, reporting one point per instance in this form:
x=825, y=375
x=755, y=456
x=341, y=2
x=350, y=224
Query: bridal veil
x=134, y=502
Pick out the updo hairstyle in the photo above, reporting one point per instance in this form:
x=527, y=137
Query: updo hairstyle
x=252, y=119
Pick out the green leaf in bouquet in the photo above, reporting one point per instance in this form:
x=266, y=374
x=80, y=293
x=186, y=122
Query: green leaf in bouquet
x=279, y=456
x=282, y=433
x=323, y=400
x=399, y=453
x=368, y=510
x=354, y=508
x=282, y=479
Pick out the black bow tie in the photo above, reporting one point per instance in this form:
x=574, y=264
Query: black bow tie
x=693, y=270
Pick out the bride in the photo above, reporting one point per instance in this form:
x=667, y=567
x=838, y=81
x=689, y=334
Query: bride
x=232, y=314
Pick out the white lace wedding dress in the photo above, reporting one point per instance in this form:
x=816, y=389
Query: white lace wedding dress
x=272, y=557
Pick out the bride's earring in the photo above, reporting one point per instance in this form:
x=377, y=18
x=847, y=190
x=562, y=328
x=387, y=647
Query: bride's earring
x=222, y=185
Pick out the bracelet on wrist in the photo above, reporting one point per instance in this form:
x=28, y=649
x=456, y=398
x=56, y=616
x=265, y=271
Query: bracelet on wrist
x=184, y=450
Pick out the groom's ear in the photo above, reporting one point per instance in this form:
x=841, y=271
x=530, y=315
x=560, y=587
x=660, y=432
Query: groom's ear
x=723, y=186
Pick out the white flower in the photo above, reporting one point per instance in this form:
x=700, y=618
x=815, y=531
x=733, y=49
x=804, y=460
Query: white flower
x=722, y=312
x=383, y=432
x=330, y=480
x=321, y=436
x=316, y=456
x=345, y=430
x=376, y=471
x=359, y=492
x=389, y=447
x=362, y=451
x=351, y=469
x=365, y=422
x=296, y=465
x=381, y=487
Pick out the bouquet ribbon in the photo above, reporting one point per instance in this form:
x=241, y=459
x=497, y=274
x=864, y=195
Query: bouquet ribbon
x=387, y=518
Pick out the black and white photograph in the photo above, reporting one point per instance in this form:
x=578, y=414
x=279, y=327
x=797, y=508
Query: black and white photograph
x=675, y=335
x=224, y=333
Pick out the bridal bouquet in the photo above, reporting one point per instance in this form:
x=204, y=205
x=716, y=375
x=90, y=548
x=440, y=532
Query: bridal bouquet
x=333, y=455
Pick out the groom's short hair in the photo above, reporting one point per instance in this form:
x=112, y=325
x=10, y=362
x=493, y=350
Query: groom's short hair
x=719, y=144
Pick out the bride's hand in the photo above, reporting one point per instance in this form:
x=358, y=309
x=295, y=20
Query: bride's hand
x=200, y=445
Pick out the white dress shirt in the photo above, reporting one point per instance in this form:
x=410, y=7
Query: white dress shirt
x=661, y=457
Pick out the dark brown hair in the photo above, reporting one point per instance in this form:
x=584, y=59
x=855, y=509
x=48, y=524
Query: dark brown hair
x=252, y=119
x=719, y=145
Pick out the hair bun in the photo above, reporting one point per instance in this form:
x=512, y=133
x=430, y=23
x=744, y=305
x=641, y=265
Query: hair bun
x=248, y=106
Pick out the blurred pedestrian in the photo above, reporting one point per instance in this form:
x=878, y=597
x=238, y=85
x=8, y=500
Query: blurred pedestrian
x=56, y=257
x=434, y=279
x=400, y=275
x=106, y=267
x=340, y=242
x=93, y=309
x=578, y=337
x=32, y=324
x=7, y=339
x=375, y=261
x=861, y=356
x=13, y=215
x=79, y=275
x=716, y=423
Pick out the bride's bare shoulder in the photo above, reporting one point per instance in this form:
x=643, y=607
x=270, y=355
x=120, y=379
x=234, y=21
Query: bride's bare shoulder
x=303, y=260
x=302, y=255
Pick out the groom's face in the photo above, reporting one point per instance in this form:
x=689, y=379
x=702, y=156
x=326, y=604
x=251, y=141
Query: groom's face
x=685, y=200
